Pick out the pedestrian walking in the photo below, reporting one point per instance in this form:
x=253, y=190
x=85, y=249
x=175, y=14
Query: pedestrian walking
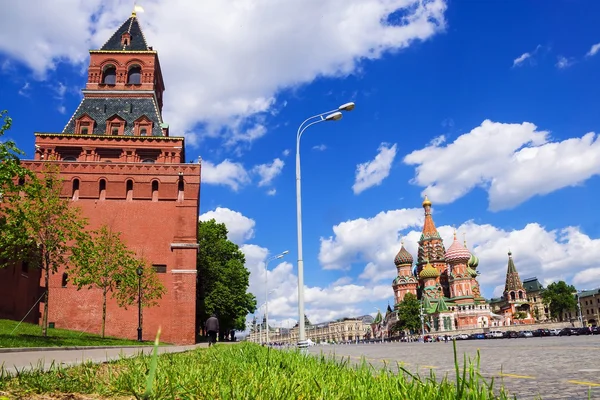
x=212, y=328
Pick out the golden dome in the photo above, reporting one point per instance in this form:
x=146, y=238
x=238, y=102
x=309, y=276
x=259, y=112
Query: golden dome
x=429, y=272
x=426, y=202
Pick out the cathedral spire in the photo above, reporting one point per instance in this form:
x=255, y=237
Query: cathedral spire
x=513, y=282
x=129, y=36
x=429, y=229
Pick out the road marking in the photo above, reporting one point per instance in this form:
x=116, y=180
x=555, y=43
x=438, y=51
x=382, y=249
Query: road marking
x=589, y=370
x=516, y=376
x=429, y=366
x=585, y=383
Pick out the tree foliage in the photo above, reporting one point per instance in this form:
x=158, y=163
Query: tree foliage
x=408, y=314
x=40, y=226
x=223, y=279
x=559, y=297
x=10, y=164
x=103, y=261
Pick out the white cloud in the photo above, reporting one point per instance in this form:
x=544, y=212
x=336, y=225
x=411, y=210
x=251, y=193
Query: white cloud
x=526, y=57
x=367, y=239
x=226, y=173
x=438, y=140
x=373, y=172
x=24, y=91
x=546, y=254
x=224, y=62
x=320, y=147
x=268, y=172
x=286, y=152
x=513, y=162
x=240, y=228
x=593, y=50
x=564, y=62
x=272, y=192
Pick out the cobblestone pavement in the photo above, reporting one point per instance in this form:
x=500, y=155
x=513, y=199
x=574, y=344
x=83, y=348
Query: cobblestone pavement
x=531, y=368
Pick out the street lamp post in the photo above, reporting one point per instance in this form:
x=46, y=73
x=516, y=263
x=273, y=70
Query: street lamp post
x=332, y=115
x=139, y=272
x=422, y=321
x=276, y=257
x=579, y=310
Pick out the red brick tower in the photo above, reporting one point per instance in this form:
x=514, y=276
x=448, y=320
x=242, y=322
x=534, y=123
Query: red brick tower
x=121, y=167
x=405, y=281
x=431, y=249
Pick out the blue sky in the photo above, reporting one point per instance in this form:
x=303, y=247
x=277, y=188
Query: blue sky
x=488, y=107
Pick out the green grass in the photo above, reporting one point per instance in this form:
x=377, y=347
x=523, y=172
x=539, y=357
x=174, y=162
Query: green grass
x=30, y=335
x=248, y=371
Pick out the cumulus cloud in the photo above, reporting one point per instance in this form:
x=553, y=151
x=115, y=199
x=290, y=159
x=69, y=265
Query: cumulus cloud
x=272, y=192
x=593, y=50
x=548, y=255
x=320, y=147
x=240, y=228
x=564, y=62
x=226, y=173
x=373, y=172
x=513, y=162
x=224, y=62
x=268, y=172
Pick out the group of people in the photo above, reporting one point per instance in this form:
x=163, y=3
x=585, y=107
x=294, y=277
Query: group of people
x=211, y=326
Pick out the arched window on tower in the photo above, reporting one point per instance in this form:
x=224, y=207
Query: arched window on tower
x=180, y=188
x=134, y=75
x=109, y=75
x=129, y=187
x=102, y=189
x=520, y=295
x=154, y=190
x=512, y=296
x=75, y=191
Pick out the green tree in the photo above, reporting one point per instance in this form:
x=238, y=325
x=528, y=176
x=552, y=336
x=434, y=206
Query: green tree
x=560, y=298
x=103, y=261
x=223, y=279
x=408, y=314
x=10, y=164
x=40, y=226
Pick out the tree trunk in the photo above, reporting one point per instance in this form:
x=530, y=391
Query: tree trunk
x=46, y=267
x=103, y=311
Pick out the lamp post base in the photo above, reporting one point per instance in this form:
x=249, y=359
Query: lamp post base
x=139, y=338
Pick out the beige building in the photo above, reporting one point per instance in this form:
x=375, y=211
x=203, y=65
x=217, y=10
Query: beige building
x=348, y=329
x=534, y=289
x=589, y=303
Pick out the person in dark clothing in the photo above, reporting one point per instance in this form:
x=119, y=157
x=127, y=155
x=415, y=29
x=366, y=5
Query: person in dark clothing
x=212, y=328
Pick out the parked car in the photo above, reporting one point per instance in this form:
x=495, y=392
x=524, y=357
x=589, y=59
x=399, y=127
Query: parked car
x=568, y=332
x=554, y=332
x=595, y=330
x=495, y=335
x=477, y=336
x=541, y=332
x=525, y=334
x=586, y=330
x=510, y=335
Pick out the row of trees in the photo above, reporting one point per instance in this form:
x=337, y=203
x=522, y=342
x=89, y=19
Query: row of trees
x=47, y=231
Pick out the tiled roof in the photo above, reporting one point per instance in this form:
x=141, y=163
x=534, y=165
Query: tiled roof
x=403, y=257
x=130, y=109
x=457, y=253
x=137, y=43
x=513, y=282
x=532, y=285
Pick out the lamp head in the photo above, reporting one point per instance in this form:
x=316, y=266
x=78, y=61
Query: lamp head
x=139, y=271
x=336, y=116
x=285, y=252
x=347, y=106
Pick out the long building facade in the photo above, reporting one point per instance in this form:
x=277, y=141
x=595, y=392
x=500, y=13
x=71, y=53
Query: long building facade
x=123, y=169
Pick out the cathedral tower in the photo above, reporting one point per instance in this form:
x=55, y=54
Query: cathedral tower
x=121, y=167
x=405, y=281
x=431, y=249
x=459, y=276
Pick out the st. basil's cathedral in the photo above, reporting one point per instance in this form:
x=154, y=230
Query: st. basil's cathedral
x=445, y=282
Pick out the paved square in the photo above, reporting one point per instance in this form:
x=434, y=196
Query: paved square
x=546, y=367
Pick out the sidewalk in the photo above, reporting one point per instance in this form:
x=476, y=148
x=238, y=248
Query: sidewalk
x=13, y=360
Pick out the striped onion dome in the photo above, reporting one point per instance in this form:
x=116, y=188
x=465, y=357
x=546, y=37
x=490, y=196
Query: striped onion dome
x=403, y=257
x=429, y=272
x=471, y=272
x=473, y=262
x=457, y=253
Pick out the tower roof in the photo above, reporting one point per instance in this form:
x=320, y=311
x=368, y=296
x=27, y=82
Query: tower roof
x=429, y=272
x=403, y=257
x=137, y=41
x=429, y=229
x=513, y=282
x=457, y=253
x=378, y=317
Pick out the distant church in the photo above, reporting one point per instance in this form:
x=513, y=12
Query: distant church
x=123, y=169
x=446, y=283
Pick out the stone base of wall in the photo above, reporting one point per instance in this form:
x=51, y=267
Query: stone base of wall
x=519, y=327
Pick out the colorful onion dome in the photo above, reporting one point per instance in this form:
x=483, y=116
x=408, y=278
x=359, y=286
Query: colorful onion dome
x=426, y=202
x=403, y=257
x=429, y=272
x=473, y=261
x=457, y=253
x=471, y=272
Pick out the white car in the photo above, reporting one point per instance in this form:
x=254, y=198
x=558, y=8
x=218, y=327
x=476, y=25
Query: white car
x=496, y=335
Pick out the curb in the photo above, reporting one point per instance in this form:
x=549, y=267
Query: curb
x=34, y=349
